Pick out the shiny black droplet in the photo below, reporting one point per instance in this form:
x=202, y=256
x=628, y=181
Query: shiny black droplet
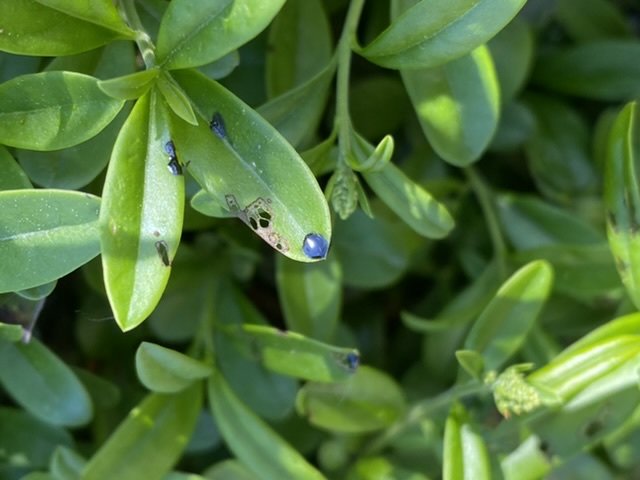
x=315, y=246
x=217, y=126
x=163, y=250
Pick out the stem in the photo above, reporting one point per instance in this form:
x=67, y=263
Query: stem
x=421, y=410
x=344, y=50
x=485, y=197
x=145, y=45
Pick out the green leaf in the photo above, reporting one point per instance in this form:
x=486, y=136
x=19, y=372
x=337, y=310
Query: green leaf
x=141, y=215
x=430, y=33
x=210, y=205
x=229, y=470
x=512, y=51
x=529, y=458
x=292, y=354
x=66, y=464
x=251, y=169
x=163, y=370
x=73, y=110
x=43, y=384
x=368, y=401
x=374, y=468
x=465, y=453
x=622, y=197
x=366, y=160
x=10, y=332
x=299, y=46
x=176, y=98
x=516, y=125
x=412, y=203
x=472, y=362
x=26, y=441
x=599, y=70
x=252, y=441
x=150, y=440
x=44, y=235
x=13, y=177
x=457, y=105
x=594, y=20
x=558, y=153
x=193, y=34
x=310, y=295
x=297, y=112
x=100, y=12
x=73, y=167
x=503, y=325
x=529, y=222
x=29, y=28
x=129, y=87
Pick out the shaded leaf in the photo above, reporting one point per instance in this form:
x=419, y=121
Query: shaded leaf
x=465, y=452
x=13, y=177
x=129, y=87
x=100, y=12
x=594, y=20
x=54, y=233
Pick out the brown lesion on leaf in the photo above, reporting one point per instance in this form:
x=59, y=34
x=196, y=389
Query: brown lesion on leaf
x=259, y=216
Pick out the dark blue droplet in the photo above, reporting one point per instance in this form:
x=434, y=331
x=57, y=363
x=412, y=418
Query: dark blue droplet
x=170, y=148
x=352, y=360
x=217, y=126
x=315, y=246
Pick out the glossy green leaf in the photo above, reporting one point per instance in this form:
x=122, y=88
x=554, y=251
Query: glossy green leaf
x=512, y=51
x=45, y=234
x=292, y=354
x=594, y=20
x=503, y=325
x=66, y=464
x=412, y=203
x=43, y=384
x=26, y=441
x=299, y=46
x=13, y=177
x=100, y=12
x=73, y=167
x=457, y=104
x=252, y=169
x=193, y=34
x=28, y=27
x=365, y=159
x=599, y=70
x=229, y=470
x=297, y=112
x=163, y=370
x=209, y=205
x=622, y=197
x=529, y=458
x=129, y=87
x=558, y=153
x=251, y=440
x=465, y=453
x=73, y=110
x=268, y=394
x=430, y=33
x=368, y=401
x=176, y=98
x=141, y=214
x=530, y=222
x=10, y=332
x=310, y=295
x=150, y=440
x=373, y=468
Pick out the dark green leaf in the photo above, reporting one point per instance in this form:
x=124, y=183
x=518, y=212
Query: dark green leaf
x=299, y=46
x=429, y=33
x=251, y=440
x=27, y=27
x=229, y=470
x=141, y=214
x=196, y=33
x=516, y=125
x=163, y=370
x=150, y=440
x=457, y=104
x=44, y=235
x=27, y=442
x=43, y=384
x=251, y=169
x=66, y=464
x=503, y=325
x=465, y=452
x=73, y=110
x=368, y=401
x=600, y=70
x=594, y=20
x=100, y=12
x=13, y=177
x=622, y=197
x=176, y=98
x=310, y=295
